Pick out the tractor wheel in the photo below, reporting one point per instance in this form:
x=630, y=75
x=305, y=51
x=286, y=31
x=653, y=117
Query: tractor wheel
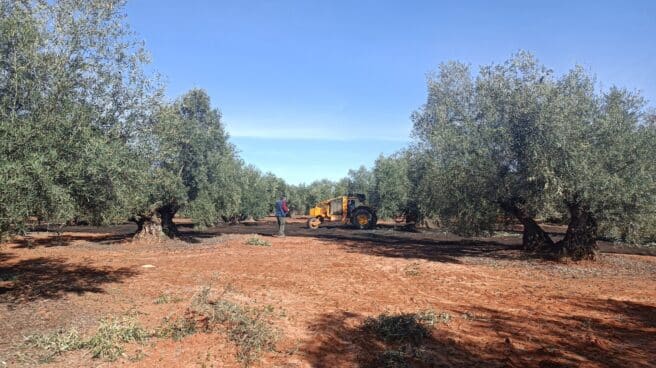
x=363, y=218
x=313, y=223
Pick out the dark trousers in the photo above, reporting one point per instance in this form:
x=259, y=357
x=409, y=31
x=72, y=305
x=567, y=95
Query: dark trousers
x=281, y=225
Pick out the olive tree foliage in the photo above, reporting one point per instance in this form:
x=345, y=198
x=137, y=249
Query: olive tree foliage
x=259, y=192
x=72, y=95
x=617, y=187
x=193, y=167
x=360, y=181
x=297, y=198
x=386, y=185
x=644, y=229
x=517, y=140
x=391, y=192
x=321, y=190
x=302, y=197
x=253, y=196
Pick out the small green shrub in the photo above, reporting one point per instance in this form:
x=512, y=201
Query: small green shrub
x=401, y=328
x=107, y=343
x=257, y=241
x=176, y=328
x=247, y=327
x=55, y=343
x=402, y=337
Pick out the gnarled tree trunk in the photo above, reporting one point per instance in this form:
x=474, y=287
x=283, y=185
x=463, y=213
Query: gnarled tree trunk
x=580, y=241
x=534, y=238
x=149, y=227
x=154, y=226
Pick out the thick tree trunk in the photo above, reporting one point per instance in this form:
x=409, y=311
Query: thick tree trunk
x=580, y=241
x=166, y=214
x=149, y=228
x=534, y=238
x=156, y=225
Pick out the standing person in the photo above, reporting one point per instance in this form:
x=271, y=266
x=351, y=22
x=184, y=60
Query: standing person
x=281, y=213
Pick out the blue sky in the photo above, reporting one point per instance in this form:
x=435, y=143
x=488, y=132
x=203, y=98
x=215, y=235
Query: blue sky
x=309, y=89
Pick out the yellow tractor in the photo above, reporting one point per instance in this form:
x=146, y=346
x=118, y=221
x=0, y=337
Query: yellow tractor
x=348, y=209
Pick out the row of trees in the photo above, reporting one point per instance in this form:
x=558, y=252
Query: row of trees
x=387, y=186
x=86, y=134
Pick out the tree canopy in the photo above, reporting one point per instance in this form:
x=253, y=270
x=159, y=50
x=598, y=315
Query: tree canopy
x=391, y=187
x=190, y=165
x=518, y=140
x=72, y=92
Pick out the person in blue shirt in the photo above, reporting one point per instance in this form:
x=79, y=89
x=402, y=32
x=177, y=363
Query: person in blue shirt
x=281, y=213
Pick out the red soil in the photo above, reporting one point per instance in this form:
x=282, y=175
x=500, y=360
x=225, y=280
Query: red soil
x=505, y=310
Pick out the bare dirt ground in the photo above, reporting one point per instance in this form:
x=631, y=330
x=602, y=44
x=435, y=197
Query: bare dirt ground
x=497, y=307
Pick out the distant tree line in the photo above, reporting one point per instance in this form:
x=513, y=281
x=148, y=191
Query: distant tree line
x=87, y=135
x=386, y=185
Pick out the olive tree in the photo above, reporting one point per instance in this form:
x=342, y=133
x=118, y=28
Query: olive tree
x=605, y=173
x=192, y=168
x=518, y=140
x=72, y=95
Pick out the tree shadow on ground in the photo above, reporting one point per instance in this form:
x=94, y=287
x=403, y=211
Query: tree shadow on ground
x=624, y=337
x=103, y=235
x=191, y=235
x=67, y=235
x=388, y=241
x=63, y=240
x=431, y=246
x=52, y=278
x=5, y=257
x=448, y=250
